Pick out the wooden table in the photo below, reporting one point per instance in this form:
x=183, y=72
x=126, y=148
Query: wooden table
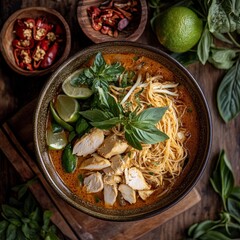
x=16, y=91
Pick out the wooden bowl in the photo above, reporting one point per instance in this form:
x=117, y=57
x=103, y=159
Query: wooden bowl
x=131, y=33
x=7, y=35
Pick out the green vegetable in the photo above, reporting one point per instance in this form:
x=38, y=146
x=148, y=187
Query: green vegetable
x=23, y=219
x=99, y=74
x=81, y=126
x=228, y=226
x=228, y=95
x=138, y=128
x=69, y=161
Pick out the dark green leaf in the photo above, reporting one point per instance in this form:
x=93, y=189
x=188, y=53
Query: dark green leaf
x=56, y=128
x=81, y=126
x=214, y=235
x=102, y=83
x=20, y=235
x=107, y=124
x=3, y=226
x=95, y=115
x=228, y=95
x=152, y=115
x=69, y=161
x=11, y=232
x=99, y=61
x=221, y=37
x=127, y=78
x=147, y=133
x=133, y=141
x=72, y=135
x=233, y=206
x=28, y=232
x=235, y=193
x=222, y=58
x=46, y=219
x=204, y=44
x=222, y=179
x=35, y=215
x=15, y=222
x=114, y=71
x=29, y=204
x=80, y=178
x=186, y=58
x=11, y=212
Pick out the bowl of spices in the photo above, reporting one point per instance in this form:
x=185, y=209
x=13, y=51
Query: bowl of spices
x=112, y=20
x=35, y=41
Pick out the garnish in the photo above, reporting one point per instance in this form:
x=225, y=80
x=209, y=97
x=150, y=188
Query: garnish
x=228, y=226
x=99, y=74
x=139, y=128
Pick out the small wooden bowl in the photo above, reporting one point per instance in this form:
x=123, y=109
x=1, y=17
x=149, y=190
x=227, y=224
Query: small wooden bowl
x=131, y=33
x=7, y=36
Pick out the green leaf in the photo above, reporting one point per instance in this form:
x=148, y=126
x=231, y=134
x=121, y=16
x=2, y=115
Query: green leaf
x=221, y=37
x=222, y=179
x=81, y=126
x=69, y=161
x=29, y=204
x=222, y=58
x=152, y=115
x=35, y=215
x=233, y=206
x=204, y=44
x=56, y=128
x=95, y=115
x=224, y=16
x=186, y=58
x=11, y=232
x=72, y=134
x=235, y=193
x=3, y=226
x=46, y=219
x=133, y=141
x=99, y=61
x=11, y=212
x=127, y=79
x=228, y=95
x=214, y=235
x=28, y=232
x=107, y=124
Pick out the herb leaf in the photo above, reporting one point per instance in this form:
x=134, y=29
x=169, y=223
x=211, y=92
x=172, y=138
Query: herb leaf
x=132, y=140
x=228, y=95
x=222, y=179
x=107, y=124
x=96, y=115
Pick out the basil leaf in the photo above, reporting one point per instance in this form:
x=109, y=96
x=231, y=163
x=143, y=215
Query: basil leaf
x=95, y=115
x=28, y=232
x=100, y=82
x=11, y=212
x=127, y=79
x=81, y=126
x=233, y=207
x=222, y=58
x=214, y=235
x=222, y=179
x=99, y=62
x=114, y=71
x=11, y=232
x=132, y=140
x=228, y=95
x=107, y=124
x=204, y=45
x=147, y=133
x=221, y=37
x=46, y=219
x=235, y=193
x=152, y=115
x=224, y=16
x=29, y=204
x=69, y=161
x=35, y=215
x=56, y=128
x=3, y=226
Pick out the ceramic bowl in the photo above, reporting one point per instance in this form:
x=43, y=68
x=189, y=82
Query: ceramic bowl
x=7, y=35
x=192, y=170
x=131, y=33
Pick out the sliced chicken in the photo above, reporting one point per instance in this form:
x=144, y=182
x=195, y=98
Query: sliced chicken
x=110, y=193
x=95, y=163
x=111, y=179
x=111, y=146
x=89, y=143
x=144, y=194
x=135, y=179
x=117, y=164
x=128, y=193
x=93, y=182
x=108, y=171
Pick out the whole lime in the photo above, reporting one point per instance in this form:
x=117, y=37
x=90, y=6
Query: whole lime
x=178, y=29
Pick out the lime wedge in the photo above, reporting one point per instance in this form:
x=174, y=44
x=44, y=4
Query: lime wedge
x=67, y=108
x=57, y=140
x=75, y=92
x=59, y=120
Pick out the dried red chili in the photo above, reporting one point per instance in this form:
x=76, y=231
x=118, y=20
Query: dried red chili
x=37, y=43
x=112, y=17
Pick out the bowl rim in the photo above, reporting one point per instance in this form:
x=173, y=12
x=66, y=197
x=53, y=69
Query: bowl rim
x=133, y=37
x=50, y=69
x=155, y=211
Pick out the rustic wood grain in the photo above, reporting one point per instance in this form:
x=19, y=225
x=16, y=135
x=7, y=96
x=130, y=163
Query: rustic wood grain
x=225, y=136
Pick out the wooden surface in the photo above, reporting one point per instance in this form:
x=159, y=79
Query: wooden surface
x=16, y=91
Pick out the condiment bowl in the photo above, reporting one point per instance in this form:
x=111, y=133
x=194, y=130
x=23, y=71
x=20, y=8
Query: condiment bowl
x=8, y=35
x=193, y=168
x=132, y=32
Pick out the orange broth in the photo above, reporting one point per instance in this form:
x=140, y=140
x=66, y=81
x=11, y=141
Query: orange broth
x=189, y=121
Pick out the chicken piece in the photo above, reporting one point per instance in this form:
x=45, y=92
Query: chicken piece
x=110, y=193
x=111, y=179
x=95, y=163
x=93, y=182
x=135, y=179
x=128, y=193
x=144, y=194
x=117, y=164
x=108, y=171
x=89, y=143
x=111, y=146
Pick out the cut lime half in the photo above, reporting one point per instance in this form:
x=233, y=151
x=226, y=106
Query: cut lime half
x=75, y=92
x=57, y=140
x=67, y=108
